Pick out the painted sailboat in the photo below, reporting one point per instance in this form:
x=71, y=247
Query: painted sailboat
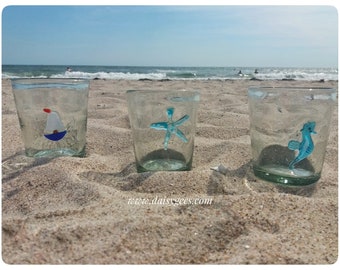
x=54, y=129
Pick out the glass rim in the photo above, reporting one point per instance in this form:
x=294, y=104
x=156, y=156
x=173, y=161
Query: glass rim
x=34, y=83
x=32, y=80
x=149, y=91
x=291, y=88
x=309, y=93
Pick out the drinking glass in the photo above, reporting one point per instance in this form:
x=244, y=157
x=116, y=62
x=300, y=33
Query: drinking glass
x=163, y=127
x=52, y=115
x=289, y=129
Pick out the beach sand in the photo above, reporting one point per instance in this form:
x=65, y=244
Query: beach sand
x=84, y=210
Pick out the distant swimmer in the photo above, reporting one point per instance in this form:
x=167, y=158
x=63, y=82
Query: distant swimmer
x=240, y=73
x=256, y=71
x=68, y=69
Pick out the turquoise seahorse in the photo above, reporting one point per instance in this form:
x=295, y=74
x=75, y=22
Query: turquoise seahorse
x=305, y=147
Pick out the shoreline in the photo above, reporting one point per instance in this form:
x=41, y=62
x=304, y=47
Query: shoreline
x=181, y=80
x=171, y=73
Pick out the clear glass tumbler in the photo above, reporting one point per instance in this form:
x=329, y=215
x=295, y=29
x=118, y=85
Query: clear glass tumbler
x=163, y=126
x=52, y=115
x=289, y=130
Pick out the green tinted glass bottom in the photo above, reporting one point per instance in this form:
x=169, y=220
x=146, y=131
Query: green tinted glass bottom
x=58, y=152
x=163, y=165
x=283, y=175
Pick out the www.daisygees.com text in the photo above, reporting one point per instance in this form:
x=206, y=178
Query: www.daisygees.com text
x=170, y=201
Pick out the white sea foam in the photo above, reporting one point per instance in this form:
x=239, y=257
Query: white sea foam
x=297, y=74
x=111, y=75
x=172, y=73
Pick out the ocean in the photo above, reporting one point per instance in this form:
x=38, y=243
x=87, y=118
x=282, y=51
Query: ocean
x=168, y=73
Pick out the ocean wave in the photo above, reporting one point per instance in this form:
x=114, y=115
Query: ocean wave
x=182, y=75
x=170, y=73
x=296, y=75
x=111, y=75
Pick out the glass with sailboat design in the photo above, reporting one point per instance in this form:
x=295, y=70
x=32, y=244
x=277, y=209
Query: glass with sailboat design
x=163, y=126
x=52, y=115
x=289, y=130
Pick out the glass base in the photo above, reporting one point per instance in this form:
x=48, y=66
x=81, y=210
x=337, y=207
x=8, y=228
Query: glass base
x=163, y=160
x=163, y=165
x=51, y=153
x=283, y=175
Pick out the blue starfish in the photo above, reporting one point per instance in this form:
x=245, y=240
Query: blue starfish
x=171, y=127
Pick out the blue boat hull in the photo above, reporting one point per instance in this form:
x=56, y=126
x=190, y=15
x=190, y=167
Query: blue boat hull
x=56, y=136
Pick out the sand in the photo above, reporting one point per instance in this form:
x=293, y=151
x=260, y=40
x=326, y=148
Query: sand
x=90, y=210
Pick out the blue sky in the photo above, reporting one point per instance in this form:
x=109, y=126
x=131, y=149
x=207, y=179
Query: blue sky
x=293, y=36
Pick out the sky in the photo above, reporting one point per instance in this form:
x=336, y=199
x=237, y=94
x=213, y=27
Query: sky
x=229, y=35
